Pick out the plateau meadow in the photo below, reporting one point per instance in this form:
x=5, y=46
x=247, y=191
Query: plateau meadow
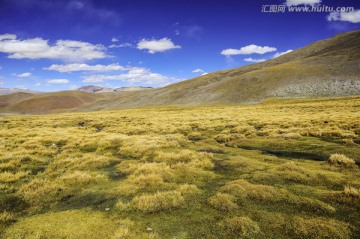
x=278, y=169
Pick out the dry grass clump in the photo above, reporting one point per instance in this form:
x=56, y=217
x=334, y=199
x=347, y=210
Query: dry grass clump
x=6, y=217
x=246, y=130
x=39, y=192
x=241, y=226
x=82, y=178
x=88, y=161
x=201, y=159
x=289, y=135
x=310, y=204
x=139, y=146
x=290, y=166
x=225, y=138
x=10, y=165
x=70, y=224
x=319, y=228
x=8, y=177
x=145, y=177
x=189, y=191
x=122, y=206
x=148, y=182
x=350, y=191
x=186, y=173
x=223, y=202
x=160, y=201
x=128, y=229
x=341, y=160
x=243, y=189
x=154, y=168
x=195, y=136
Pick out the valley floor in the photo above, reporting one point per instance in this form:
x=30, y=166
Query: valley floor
x=279, y=169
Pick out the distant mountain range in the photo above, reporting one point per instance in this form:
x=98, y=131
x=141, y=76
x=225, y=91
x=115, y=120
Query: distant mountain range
x=326, y=68
x=7, y=91
x=100, y=89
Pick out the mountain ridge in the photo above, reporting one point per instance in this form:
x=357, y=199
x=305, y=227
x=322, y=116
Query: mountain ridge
x=326, y=68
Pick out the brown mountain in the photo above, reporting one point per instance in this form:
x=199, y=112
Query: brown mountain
x=325, y=68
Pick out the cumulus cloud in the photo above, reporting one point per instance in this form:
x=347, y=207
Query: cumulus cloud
x=7, y=37
x=22, y=75
x=126, y=44
x=353, y=17
x=135, y=75
x=58, y=81
x=38, y=48
x=154, y=45
x=114, y=39
x=277, y=54
x=84, y=67
x=198, y=71
x=247, y=50
x=302, y=2
x=254, y=60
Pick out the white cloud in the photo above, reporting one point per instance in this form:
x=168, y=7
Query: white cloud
x=353, y=16
x=7, y=37
x=38, y=48
x=198, y=71
x=22, y=75
x=154, y=46
x=126, y=44
x=302, y=2
x=277, y=54
x=58, y=81
x=84, y=67
x=254, y=60
x=135, y=75
x=247, y=50
x=114, y=39
x=205, y=73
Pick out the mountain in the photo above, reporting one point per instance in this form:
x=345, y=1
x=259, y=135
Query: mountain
x=64, y=101
x=100, y=89
x=7, y=91
x=326, y=68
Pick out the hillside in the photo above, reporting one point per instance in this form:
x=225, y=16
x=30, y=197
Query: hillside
x=7, y=91
x=326, y=68
x=49, y=102
x=100, y=89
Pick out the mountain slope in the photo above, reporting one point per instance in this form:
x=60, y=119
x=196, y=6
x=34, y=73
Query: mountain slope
x=329, y=67
x=325, y=68
x=100, y=89
x=49, y=102
x=7, y=91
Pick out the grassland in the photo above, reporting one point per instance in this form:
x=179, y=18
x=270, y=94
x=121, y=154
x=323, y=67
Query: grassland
x=279, y=169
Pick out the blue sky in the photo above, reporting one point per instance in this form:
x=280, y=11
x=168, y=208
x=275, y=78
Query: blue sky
x=51, y=45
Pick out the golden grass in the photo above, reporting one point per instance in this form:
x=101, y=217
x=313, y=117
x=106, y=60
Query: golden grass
x=341, y=160
x=72, y=224
x=241, y=226
x=9, y=177
x=223, y=202
x=317, y=228
x=6, y=217
x=255, y=171
x=158, y=202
